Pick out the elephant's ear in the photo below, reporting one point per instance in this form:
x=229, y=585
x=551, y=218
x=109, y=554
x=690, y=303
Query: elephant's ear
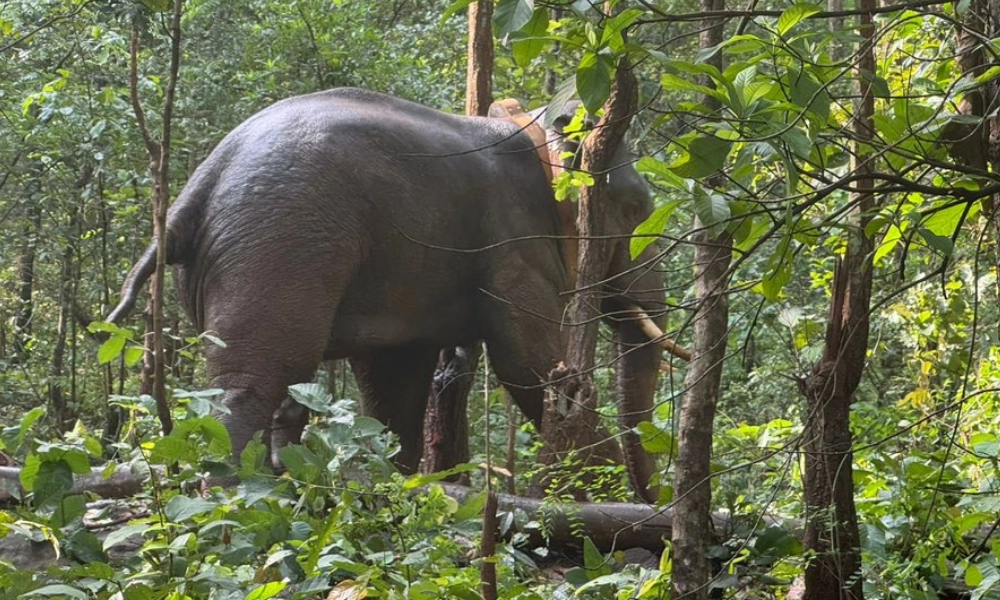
x=508, y=108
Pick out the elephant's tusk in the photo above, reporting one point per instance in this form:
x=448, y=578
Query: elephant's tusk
x=656, y=334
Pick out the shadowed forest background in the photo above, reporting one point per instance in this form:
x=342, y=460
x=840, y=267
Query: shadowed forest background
x=824, y=180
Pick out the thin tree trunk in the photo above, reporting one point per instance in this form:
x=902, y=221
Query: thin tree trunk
x=569, y=426
x=479, y=75
x=159, y=159
x=832, y=535
x=446, y=423
x=57, y=399
x=692, y=531
x=24, y=312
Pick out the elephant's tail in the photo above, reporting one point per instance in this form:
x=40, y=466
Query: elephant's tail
x=182, y=224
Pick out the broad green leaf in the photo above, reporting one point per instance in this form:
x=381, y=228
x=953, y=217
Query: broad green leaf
x=565, y=92
x=798, y=142
x=110, y=349
x=312, y=395
x=940, y=243
x=706, y=155
x=511, y=15
x=266, y=591
x=593, y=81
x=52, y=482
x=182, y=508
x=139, y=591
x=528, y=46
x=454, y=9
x=945, y=222
x=120, y=535
x=675, y=82
x=645, y=233
x=660, y=171
x=594, y=561
x=133, y=354
x=58, y=591
x=794, y=15
x=712, y=209
x=889, y=242
x=415, y=481
x=471, y=508
x=775, y=281
x=654, y=439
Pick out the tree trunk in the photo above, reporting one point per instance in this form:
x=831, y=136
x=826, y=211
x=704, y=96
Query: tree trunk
x=479, y=74
x=26, y=282
x=57, y=399
x=571, y=423
x=832, y=535
x=159, y=166
x=692, y=526
x=446, y=423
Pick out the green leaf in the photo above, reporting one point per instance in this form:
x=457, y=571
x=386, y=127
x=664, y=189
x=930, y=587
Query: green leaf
x=415, y=481
x=454, y=9
x=531, y=41
x=706, y=155
x=941, y=244
x=595, y=562
x=268, y=590
x=660, y=171
x=511, y=15
x=775, y=281
x=712, y=209
x=110, y=349
x=565, y=92
x=61, y=591
x=889, y=242
x=120, y=535
x=645, y=233
x=675, y=82
x=654, y=439
x=182, y=508
x=133, y=354
x=313, y=396
x=471, y=508
x=593, y=81
x=798, y=142
x=794, y=15
x=945, y=222
x=53, y=481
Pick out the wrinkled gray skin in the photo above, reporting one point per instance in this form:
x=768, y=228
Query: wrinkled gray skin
x=350, y=224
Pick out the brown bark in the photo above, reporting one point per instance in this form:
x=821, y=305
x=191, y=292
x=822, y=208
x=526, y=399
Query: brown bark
x=831, y=533
x=57, y=399
x=26, y=282
x=479, y=77
x=159, y=166
x=446, y=425
x=692, y=525
x=446, y=422
x=571, y=424
x=488, y=547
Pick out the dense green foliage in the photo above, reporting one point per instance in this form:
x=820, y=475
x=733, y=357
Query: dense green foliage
x=74, y=205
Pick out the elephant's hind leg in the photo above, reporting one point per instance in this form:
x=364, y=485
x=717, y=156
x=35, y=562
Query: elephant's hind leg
x=394, y=385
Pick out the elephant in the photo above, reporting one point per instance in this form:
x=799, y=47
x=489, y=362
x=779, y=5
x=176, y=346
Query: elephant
x=352, y=224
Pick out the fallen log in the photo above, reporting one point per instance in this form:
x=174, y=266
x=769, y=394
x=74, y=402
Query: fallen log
x=610, y=525
x=124, y=482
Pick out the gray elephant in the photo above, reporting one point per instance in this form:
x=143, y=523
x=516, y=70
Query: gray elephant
x=350, y=224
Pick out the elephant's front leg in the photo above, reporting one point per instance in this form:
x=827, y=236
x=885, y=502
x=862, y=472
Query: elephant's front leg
x=394, y=386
